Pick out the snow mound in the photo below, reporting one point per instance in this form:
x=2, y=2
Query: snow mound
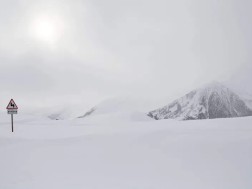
x=117, y=109
x=211, y=101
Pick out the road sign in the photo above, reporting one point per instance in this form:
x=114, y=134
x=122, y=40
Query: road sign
x=12, y=105
x=12, y=109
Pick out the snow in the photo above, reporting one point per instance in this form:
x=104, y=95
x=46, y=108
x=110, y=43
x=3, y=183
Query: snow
x=247, y=99
x=117, y=109
x=121, y=104
x=208, y=102
x=142, y=154
x=174, y=108
x=113, y=105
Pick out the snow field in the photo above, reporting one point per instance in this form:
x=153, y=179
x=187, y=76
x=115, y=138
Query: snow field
x=42, y=154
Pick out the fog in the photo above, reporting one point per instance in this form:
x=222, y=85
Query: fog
x=61, y=52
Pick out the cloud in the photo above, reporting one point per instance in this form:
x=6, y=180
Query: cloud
x=158, y=49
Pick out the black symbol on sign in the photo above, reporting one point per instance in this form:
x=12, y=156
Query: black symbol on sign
x=13, y=105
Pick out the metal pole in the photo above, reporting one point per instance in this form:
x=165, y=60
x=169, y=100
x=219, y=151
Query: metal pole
x=12, y=123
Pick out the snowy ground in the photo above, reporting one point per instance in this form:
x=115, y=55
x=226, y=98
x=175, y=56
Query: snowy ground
x=143, y=154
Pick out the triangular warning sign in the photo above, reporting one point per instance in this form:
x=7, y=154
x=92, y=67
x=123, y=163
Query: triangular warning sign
x=12, y=105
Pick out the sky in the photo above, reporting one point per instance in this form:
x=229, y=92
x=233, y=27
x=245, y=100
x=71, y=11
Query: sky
x=56, y=53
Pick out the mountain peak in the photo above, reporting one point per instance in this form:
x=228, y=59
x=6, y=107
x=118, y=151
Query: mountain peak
x=213, y=100
x=214, y=86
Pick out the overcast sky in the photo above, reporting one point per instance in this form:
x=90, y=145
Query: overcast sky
x=55, y=52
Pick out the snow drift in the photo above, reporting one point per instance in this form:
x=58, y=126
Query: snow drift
x=117, y=109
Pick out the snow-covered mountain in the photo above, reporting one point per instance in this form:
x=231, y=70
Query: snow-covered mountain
x=211, y=101
x=248, y=100
x=118, y=109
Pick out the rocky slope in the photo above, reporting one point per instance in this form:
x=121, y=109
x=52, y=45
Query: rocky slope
x=209, y=102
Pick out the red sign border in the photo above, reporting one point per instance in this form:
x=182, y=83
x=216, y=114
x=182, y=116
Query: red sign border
x=12, y=108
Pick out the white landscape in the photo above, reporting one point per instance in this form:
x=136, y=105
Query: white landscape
x=126, y=94
x=147, y=154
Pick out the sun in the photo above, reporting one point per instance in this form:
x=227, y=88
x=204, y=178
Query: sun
x=47, y=29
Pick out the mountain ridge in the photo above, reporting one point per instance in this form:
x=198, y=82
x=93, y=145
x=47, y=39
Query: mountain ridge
x=208, y=102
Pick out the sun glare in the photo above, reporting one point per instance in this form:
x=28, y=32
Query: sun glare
x=47, y=29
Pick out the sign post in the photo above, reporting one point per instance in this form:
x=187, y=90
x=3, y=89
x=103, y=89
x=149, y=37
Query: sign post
x=12, y=109
x=12, y=128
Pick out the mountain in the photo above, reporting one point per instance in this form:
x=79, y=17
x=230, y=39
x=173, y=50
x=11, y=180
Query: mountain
x=67, y=111
x=248, y=100
x=209, y=102
x=117, y=109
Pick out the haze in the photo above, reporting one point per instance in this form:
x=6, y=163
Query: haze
x=56, y=53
